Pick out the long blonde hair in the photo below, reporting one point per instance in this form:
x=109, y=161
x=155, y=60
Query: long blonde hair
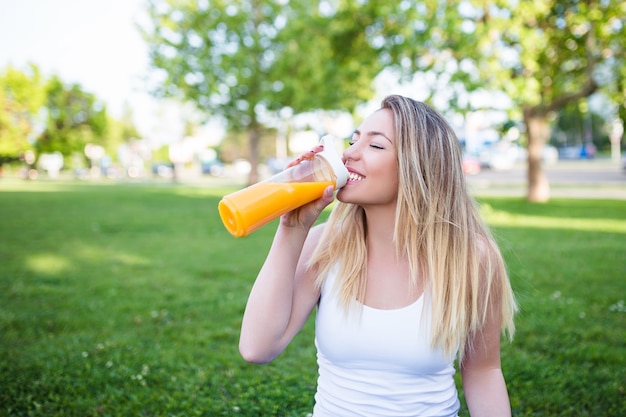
x=438, y=228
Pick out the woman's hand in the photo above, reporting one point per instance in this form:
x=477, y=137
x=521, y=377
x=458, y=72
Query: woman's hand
x=305, y=216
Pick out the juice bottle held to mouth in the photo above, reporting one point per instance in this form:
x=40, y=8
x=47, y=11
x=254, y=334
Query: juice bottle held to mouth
x=244, y=211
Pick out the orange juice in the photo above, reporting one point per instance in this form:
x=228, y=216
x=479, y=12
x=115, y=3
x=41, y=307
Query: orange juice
x=246, y=210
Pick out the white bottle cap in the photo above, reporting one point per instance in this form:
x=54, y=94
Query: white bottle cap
x=334, y=159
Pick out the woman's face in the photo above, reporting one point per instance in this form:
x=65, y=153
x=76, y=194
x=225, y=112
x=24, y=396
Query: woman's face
x=372, y=163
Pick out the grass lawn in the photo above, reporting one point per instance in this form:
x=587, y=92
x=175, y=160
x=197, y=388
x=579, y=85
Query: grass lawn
x=126, y=300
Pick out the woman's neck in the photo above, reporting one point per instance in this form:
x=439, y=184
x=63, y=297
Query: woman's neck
x=380, y=223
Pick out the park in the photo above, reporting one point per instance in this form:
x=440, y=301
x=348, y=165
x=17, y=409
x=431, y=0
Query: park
x=121, y=292
x=125, y=299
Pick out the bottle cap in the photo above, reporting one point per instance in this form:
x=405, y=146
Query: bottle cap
x=334, y=159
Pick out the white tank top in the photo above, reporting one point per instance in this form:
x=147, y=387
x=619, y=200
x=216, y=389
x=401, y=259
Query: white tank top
x=379, y=362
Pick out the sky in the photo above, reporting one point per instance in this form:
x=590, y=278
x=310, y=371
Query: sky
x=90, y=42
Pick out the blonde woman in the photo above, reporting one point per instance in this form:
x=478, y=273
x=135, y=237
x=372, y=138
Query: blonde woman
x=405, y=276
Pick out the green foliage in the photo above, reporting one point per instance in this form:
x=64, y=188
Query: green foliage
x=573, y=123
x=161, y=154
x=22, y=95
x=49, y=115
x=246, y=60
x=120, y=131
x=126, y=300
x=541, y=54
x=331, y=52
x=75, y=118
x=239, y=59
x=253, y=62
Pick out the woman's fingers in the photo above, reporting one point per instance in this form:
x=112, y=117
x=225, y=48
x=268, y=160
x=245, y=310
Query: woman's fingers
x=305, y=216
x=307, y=155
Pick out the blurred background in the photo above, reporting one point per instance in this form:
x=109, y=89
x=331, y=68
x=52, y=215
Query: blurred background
x=181, y=90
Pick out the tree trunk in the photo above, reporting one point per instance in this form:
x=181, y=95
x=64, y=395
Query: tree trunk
x=538, y=133
x=253, y=139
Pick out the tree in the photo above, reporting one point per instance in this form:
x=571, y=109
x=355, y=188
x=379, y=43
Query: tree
x=120, y=131
x=577, y=124
x=22, y=96
x=247, y=60
x=563, y=49
x=541, y=54
x=75, y=119
x=617, y=93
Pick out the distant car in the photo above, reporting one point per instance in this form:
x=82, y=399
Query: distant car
x=500, y=156
x=163, y=169
x=585, y=151
x=214, y=167
x=471, y=165
x=549, y=155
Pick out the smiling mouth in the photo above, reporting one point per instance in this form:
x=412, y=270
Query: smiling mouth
x=354, y=177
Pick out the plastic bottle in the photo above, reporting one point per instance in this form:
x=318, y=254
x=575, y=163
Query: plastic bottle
x=244, y=211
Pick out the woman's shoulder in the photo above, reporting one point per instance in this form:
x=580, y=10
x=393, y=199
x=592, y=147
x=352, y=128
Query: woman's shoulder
x=486, y=247
x=313, y=239
x=316, y=232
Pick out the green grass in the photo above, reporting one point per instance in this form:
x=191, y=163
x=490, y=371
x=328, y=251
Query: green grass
x=126, y=300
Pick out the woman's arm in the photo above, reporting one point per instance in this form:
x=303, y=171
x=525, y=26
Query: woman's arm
x=484, y=385
x=483, y=382
x=284, y=294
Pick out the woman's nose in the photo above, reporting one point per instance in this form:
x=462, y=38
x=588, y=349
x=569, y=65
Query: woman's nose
x=351, y=152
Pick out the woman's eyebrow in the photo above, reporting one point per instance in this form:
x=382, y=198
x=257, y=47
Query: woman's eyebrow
x=373, y=133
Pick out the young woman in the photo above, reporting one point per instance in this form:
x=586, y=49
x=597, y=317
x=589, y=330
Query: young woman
x=405, y=276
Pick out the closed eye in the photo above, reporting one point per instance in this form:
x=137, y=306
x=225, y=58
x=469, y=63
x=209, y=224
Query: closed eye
x=373, y=145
